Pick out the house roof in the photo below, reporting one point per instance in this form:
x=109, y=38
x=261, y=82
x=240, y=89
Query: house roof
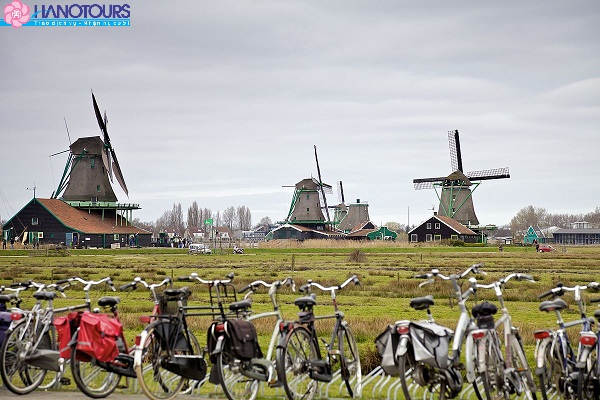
x=301, y=228
x=451, y=223
x=83, y=221
x=580, y=231
x=361, y=233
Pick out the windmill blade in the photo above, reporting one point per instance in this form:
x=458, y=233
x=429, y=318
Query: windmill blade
x=321, y=184
x=486, y=174
x=101, y=123
x=341, y=192
x=427, y=183
x=455, y=155
x=118, y=173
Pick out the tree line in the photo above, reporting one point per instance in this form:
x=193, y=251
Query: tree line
x=196, y=217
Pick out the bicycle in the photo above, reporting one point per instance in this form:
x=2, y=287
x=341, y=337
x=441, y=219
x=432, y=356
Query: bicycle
x=7, y=300
x=167, y=353
x=96, y=374
x=588, y=382
x=555, y=358
x=30, y=348
x=502, y=373
x=300, y=363
x=240, y=377
x=425, y=368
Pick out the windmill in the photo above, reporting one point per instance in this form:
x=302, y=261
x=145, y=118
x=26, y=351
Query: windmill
x=309, y=201
x=90, y=167
x=455, y=191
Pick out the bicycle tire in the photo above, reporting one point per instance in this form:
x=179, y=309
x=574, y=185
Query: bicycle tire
x=350, y=362
x=493, y=375
x=235, y=385
x=420, y=381
x=293, y=356
x=156, y=382
x=588, y=387
x=52, y=378
x=552, y=382
x=93, y=380
x=18, y=376
x=519, y=363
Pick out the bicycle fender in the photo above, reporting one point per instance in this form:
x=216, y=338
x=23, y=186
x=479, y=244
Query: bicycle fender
x=137, y=354
x=540, y=355
x=582, y=362
x=402, y=346
x=219, y=346
x=470, y=358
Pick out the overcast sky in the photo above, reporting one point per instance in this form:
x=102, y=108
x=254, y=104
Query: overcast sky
x=222, y=101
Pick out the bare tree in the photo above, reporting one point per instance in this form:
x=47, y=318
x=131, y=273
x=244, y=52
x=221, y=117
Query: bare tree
x=194, y=216
x=229, y=217
x=244, y=218
x=526, y=217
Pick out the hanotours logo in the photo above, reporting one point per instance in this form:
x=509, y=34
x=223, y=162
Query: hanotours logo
x=16, y=14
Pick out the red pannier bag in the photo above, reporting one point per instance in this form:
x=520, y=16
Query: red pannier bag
x=65, y=328
x=98, y=335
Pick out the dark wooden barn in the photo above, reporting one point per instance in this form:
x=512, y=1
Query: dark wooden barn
x=52, y=221
x=440, y=227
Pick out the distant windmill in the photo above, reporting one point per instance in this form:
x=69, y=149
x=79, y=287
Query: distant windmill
x=309, y=201
x=455, y=190
x=85, y=178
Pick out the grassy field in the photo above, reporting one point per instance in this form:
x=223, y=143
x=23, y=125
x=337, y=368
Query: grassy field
x=386, y=273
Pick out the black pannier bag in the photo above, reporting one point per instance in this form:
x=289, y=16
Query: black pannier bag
x=387, y=344
x=430, y=343
x=243, y=339
x=484, y=314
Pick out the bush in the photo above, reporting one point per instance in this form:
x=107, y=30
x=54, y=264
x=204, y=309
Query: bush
x=357, y=256
x=452, y=242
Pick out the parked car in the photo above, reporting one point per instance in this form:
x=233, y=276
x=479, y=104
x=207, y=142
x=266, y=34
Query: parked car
x=545, y=248
x=199, y=248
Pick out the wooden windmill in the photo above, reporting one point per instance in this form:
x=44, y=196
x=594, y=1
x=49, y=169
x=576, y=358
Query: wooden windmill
x=309, y=202
x=455, y=191
x=91, y=164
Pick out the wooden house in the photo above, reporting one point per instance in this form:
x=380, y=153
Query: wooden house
x=440, y=227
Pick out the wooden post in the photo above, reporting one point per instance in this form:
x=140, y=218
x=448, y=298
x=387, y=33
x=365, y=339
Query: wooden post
x=293, y=261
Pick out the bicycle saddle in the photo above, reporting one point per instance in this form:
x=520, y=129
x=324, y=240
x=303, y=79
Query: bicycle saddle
x=240, y=305
x=306, y=301
x=551, y=305
x=44, y=295
x=597, y=315
x=108, y=301
x=422, y=303
x=176, y=292
x=5, y=298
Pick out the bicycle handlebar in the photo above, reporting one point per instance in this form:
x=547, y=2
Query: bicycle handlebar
x=138, y=280
x=560, y=289
x=88, y=284
x=194, y=277
x=436, y=273
x=310, y=283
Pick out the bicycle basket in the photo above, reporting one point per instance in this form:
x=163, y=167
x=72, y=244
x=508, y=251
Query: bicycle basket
x=168, y=304
x=485, y=322
x=430, y=343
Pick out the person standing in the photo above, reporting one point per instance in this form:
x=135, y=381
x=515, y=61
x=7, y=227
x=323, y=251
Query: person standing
x=12, y=243
x=3, y=243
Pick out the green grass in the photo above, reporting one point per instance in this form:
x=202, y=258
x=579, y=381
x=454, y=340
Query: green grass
x=386, y=275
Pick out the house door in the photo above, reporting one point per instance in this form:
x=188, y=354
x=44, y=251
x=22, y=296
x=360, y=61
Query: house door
x=69, y=239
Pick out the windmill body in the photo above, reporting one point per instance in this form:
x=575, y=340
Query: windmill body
x=356, y=213
x=88, y=178
x=306, y=208
x=455, y=190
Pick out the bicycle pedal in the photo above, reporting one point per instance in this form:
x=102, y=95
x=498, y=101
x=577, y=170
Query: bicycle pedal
x=65, y=381
x=275, y=384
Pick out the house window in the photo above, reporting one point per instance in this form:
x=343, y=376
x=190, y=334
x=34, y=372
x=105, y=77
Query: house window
x=429, y=225
x=98, y=188
x=52, y=235
x=307, y=210
x=40, y=235
x=437, y=225
x=437, y=237
x=428, y=237
x=413, y=237
x=116, y=236
x=34, y=221
x=454, y=237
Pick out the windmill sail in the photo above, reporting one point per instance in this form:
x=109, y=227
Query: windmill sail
x=321, y=186
x=109, y=158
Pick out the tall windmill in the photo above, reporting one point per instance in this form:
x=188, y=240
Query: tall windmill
x=309, y=202
x=90, y=167
x=455, y=191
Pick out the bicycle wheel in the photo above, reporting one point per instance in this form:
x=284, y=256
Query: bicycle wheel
x=18, y=376
x=155, y=381
x=420, y=381
x=588, y=386
x=350, y=362
x=552, y=382
x=521, y=367
x=493, y=375
x=93, y=380
x=293, y=359
x=235, y=385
